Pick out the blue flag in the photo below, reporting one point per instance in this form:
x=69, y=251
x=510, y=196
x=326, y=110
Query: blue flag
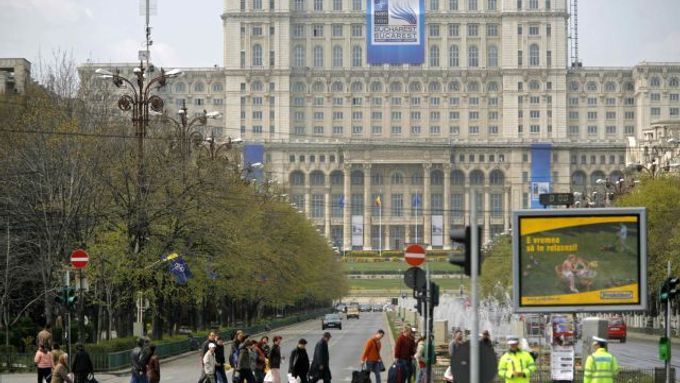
x=416, y=201
x=341, y=201
x=180, y=270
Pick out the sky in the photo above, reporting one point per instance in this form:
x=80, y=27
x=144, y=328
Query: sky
x=189, y=33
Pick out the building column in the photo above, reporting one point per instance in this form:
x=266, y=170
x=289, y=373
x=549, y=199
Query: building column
x=426, y=207
x=327, y=210
x=467, y=203
x=447, y=204
x=347, y=228
x=308, y=198
x=386, y=239
x=508, y=210
x=487, y=214
x=367, y=207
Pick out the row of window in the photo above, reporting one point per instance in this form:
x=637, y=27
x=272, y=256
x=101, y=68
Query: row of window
x=300, y=101
x=476, y=177
x=337, y=30
x=318, y=5
x=396, y=115
x=432, y=5
x=397, y=130
x=198, y=87
x=196, y=101
x=397, y=87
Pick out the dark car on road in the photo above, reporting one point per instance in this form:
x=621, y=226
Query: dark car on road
x=331, y=320
x=377, y=308
x=364, y=308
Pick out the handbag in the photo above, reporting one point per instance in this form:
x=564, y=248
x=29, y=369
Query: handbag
x=381, y=366
x=91, y=379
x=448, y=375
x=269, y=377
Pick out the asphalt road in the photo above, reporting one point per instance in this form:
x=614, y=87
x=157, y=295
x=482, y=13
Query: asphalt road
x=346, y=346
x=643, y=352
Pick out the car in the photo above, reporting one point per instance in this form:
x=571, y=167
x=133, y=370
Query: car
x=341, y=308
x=184, y=330
x=616, y=329
x=377, y=308
x=353, y=312
x=331, y=320
x=364, y=308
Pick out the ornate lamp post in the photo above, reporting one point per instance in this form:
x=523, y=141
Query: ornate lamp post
x=186, y=136
x=139, y=102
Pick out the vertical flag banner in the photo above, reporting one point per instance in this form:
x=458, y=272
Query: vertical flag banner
x=180, y=270
x=437, y=230
x=253, y=153
x=396, y=31
x=541, y=176
x=357, y=230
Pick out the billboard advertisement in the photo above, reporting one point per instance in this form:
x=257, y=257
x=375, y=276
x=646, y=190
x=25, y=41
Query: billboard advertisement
x=395, y=31
x=541, y=176
x=357, y=230
x=437, y=230
x=577, y=260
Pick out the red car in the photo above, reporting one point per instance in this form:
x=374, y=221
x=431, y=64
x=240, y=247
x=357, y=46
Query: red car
x=617, y=329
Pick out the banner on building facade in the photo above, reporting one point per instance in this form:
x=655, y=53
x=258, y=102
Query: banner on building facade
x=580, y=260
x=541, y=175
x=253, y=154
x=396, y=31
x=437, y=230
x=357, y=230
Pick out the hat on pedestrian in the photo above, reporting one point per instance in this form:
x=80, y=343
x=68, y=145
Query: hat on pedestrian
x=512, y=339
x=600, y=341
x=212, y=345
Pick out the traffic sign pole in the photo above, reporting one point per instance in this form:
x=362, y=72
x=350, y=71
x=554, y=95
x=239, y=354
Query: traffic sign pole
x=474, y=338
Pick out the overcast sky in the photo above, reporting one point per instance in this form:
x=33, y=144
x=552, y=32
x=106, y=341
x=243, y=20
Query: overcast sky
x=189, y=34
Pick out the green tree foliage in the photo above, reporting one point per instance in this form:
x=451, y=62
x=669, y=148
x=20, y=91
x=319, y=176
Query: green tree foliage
x=496, y=275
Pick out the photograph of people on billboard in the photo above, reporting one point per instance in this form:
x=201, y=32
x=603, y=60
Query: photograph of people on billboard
x=578, y=260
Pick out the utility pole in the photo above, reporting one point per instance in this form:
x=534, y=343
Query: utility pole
x=474, y=277
x=667, y=362
x=67, y=282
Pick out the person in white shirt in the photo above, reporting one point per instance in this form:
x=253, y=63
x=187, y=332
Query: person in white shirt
x=209, y=363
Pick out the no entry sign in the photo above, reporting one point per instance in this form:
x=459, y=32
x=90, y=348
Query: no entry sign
x=79, y=258
x=414, y=255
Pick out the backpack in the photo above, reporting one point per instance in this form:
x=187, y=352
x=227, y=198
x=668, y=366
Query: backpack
x=396, y=373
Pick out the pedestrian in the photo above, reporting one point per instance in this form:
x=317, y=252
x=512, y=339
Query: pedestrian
x=82, y=365
x=516, y=365
x=44, y=363
x=138, y=362
x=264, y=344
x=205, y=347
x=298, y=365
x=601, y=366
x=245, y=371
x=44, y=337
x=320, y=369
x=153, y=368
x=404, y=350
x=239, y=337
x=259, y=359
x=220, y=361
x=60, y=374
x=455, y=344
x=420, y=358
x=371, y=359
x=55, y=353
x=209, y=363
x=275, y=359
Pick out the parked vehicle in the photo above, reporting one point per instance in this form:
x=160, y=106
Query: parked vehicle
x=341, y=308
x=353, y=312
x=331, y=320
x=364, y=308
x=617, y=329
x=377, y=308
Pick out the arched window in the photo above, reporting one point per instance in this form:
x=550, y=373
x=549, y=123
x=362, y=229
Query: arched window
x=257, y=55
x=454, y=56
x=454, y=86
x=610, y=86
x=434, y=86
x=473, y=56
x=256, y=86
x=492, y=57
x=299, y=86
x=337, y=86
x=417, y=178
x=415, y=86
x=376, y=86
x=357, y=177
x=436, y=177
x=596, y=175
x=317, y=178
x=396, y=87
x=318, y=56
x=298, y=56
x=297, y=178
x=434, y=56
x=337, y=56
x=397, y=178
x=218, y=87
x=473, y=86
x=534, y=55
x=357, y=86
x=497, y=178
x=457, y=178
x=318, y=87
x=673, y=82
x=357, y=56
x=476, y=177
x=199, y=87
x=591, y=86
x=655, y=82
x=578, y=181
x=492, y=86
x=337, y=178
x=180, y=87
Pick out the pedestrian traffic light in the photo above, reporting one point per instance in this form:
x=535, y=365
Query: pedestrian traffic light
x=71, y=298
x=434, y=294
x=463, y=237
x=664, y=349
x=61, y=297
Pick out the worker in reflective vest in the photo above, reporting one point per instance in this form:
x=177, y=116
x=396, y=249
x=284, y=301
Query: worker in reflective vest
x=516, y=366
x=601, y=366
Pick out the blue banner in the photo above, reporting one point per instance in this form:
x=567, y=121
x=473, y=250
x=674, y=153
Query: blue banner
x=180, y=269
x=253, y=154
x=396, y=31
x=541, y=175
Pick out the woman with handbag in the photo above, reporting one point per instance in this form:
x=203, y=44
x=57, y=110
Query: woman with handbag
x=82, y=365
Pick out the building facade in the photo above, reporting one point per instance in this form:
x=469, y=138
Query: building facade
x=382, y=155
x=15, y=74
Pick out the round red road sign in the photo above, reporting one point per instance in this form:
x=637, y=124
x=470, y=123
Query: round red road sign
x=79, y=258
x=414, y=255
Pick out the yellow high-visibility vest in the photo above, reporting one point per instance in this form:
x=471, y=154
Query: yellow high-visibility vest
x=601, y=367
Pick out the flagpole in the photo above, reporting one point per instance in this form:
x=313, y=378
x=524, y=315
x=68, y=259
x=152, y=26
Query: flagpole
x=380, y=228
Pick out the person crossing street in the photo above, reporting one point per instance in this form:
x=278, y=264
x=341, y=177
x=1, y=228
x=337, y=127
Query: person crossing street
x=371, y=357
x=516, y=365
x=601, y=366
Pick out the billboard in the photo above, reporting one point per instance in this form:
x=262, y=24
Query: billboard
x=437, y=230
x=577, y=260
x=357, y=230
x=541, y=176
x=396, y=31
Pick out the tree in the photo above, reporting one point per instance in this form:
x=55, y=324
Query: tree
x=496, y=275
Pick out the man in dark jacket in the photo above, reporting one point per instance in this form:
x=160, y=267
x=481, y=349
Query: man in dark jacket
x=138, y=362
x=275, y=360
x=404, y=351
x=320, y=368
x=220, y=360
x=299, y=361
x=82, y=365
x=243, y=370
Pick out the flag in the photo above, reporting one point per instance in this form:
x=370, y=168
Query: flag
x=341, y=201
x=180, y=270
x=416, y=201
x=378, y=201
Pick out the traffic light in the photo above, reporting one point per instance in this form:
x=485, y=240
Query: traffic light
x=463, y=237
x=669, y=289
x=664, y=349
x=434, y=294
x=71, y=298
x=420, y=306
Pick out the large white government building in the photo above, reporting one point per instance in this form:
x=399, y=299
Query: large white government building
x=495, y=110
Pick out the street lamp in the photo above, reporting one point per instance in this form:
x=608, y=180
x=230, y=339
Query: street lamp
x=186, y=135
x=139, y=102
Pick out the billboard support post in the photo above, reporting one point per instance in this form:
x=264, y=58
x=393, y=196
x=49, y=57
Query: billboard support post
x=474, y=292
x=667, y=362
